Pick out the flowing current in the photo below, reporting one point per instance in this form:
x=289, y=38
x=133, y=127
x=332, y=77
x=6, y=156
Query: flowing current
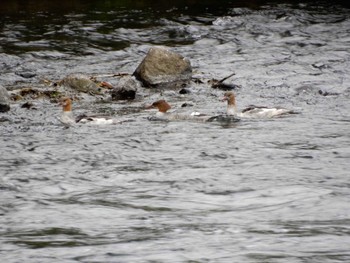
x=254, y=191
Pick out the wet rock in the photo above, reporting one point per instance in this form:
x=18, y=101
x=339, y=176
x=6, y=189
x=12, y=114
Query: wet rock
x=81, y=83
x=4, y=119
x=163, y=66
x=29, y=92
x=123, y=94
x=52, y=94
x=28, y=105
x=126, y=89
x=186, y=105
x=197, y=81
x=184, y=91
x=286, y=33
x=4, y=99
x=32, y=93
x=176, y=85
x=26, y=75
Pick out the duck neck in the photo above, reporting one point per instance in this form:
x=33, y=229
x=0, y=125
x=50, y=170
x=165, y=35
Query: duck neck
x=231, y=109
x=68, y=114
x=67, y=107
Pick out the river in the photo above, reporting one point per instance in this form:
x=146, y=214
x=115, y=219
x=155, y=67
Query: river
x=270, y=190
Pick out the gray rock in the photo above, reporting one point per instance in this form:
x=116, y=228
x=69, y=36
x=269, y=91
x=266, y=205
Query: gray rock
x=4, y=100
x=26, y=75
x=163, y=66
x=126, y=89
x=81, y=83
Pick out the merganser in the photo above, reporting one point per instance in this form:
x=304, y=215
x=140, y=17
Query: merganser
x=162, y=107
x=163, y=113
x=68, y=119
x=253, y=111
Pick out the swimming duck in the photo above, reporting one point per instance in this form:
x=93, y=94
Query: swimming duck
x=164, y=114
x=253, y=111
x=68, y=119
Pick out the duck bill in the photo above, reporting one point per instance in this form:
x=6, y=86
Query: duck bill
x=62, y=103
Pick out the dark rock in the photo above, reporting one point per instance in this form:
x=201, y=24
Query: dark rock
x=29, y=92
x=286, y=33
x=4, y=108
x=197, y=81
x=186, y=105
x=123, y=94
x=28, y=105
x=184, y=91
x=126, y=89
x=32, y=93
x=26, y=75
x=4, y=119
x=163, y=66
x=4, y=100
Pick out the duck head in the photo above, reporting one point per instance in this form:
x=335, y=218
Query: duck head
x=66, y=104
x=161, y=105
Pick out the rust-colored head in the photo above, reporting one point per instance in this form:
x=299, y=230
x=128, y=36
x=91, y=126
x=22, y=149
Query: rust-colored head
x=161, y=105
x=230, y=98
x=66, y=104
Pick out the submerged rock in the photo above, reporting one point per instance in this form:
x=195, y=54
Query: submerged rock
x=126, y=89
x=81, y=83
x=163, y=66
x=184, y=91
x=28, y=105
x=26, y=75
x=4, y=119
x=33, y=93
x=4, y=99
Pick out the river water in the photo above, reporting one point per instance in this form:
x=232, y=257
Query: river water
x=254, y=191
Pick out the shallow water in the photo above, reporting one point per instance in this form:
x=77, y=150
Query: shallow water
x=254, y=191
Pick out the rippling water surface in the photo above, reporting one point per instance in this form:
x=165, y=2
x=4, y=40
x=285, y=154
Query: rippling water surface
x=256, y=191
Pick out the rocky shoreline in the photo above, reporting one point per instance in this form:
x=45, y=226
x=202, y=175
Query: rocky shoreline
x=160, y=70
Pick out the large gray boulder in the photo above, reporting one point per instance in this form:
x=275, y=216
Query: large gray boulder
x=161, y=66
x=4, y=100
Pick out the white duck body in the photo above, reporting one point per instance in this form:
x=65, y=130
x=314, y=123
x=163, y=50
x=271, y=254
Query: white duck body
x=68, y=119
x=96, y=120
x=163, y=113
x=263, y=112
x=253, y=111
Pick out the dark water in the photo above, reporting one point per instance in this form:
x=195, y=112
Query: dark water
x=257, y=191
